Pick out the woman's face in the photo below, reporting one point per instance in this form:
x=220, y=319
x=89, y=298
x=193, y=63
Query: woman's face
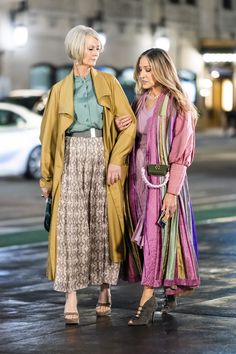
x=145, y=74
x=92, y=51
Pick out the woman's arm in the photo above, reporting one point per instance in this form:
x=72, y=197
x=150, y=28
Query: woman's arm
x=180, y=157
x=182, y=152
x=125, y=139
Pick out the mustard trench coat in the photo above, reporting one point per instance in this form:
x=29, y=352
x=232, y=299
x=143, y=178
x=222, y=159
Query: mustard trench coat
x=58, y=116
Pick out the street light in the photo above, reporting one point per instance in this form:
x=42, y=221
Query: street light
x=103, y=38
x=163, y=42
x=12, y=34
x=20, y=31
x=96, y=21
x=20, y=35
x=159, y=32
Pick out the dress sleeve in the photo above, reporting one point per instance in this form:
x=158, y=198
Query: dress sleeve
x=182, y=152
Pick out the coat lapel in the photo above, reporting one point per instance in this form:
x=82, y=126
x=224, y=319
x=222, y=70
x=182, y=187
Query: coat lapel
x=102, y=88
x=66, y=104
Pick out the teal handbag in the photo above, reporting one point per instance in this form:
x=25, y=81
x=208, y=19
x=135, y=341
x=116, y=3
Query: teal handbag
x=47, y=216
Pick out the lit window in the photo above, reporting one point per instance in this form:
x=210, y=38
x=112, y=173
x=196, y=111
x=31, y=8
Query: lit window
x=42, y=76
x=227, y=95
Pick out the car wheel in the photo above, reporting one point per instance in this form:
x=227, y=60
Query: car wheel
x=33, y=165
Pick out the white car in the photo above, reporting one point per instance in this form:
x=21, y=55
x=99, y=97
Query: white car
x=20, y=147
x=33, y=99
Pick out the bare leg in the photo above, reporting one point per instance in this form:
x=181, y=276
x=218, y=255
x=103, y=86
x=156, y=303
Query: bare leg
x=146, y=295
x=71, y=311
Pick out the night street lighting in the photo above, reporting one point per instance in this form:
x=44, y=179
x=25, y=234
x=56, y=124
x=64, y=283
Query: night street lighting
x=20, y=35
x=103, y=37
x=163, y=42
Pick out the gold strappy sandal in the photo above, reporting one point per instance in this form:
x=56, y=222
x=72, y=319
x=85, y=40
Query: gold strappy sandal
x=71, y=318
x=103, y=313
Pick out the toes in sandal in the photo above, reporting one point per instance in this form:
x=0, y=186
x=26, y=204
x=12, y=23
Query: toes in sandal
x=71, y=318
x=103, y=313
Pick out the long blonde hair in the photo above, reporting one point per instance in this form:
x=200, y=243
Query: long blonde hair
x=164, y=73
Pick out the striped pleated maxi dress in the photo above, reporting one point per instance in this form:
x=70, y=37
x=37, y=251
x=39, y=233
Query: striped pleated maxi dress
x=170, y=253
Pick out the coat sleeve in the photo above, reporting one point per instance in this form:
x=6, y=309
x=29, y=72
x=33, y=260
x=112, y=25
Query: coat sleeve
x=48, y=134
x=182, y=152
x=125, y=138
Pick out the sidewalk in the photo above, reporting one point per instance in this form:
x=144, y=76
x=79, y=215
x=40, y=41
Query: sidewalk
x=31, y=316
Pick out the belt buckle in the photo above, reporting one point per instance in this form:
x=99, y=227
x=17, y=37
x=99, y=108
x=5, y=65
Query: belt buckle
x=93, y=133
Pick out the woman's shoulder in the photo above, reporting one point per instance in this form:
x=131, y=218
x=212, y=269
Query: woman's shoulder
x=66, y=81
x=57, y=85
x=107, y=76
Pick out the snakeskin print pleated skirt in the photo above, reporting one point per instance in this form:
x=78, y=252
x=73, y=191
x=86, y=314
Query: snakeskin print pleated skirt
x=82, y=227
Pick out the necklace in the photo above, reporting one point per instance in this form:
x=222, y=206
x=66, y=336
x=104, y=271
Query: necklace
x=153, y=97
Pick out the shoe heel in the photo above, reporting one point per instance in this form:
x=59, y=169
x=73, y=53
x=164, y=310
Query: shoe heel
x=153, y=316
x=145, y=313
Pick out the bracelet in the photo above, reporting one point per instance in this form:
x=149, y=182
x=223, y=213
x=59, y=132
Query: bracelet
x=172, y=194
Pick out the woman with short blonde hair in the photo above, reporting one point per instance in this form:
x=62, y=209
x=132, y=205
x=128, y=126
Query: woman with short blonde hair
x=84, y=167
x=75, y=42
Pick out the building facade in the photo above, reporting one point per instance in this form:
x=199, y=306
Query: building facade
x=200, y=34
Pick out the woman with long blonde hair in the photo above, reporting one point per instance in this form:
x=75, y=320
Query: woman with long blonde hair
x=159, y=200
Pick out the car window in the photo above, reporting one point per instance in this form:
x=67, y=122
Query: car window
x=10, y=119
x=27, y=102
x=33, y=103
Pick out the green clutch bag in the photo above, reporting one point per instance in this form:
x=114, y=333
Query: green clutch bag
x=157, y=170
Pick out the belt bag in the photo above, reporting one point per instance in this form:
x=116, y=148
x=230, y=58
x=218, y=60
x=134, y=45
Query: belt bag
x=155, y=170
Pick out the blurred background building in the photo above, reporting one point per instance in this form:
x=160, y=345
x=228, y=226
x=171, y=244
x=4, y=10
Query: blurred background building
x=199, y=35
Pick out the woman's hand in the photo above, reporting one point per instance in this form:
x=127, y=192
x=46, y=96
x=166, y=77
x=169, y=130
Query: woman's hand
x=45, y=192
x=169, y=204
x=113, y=174
x=123, y=122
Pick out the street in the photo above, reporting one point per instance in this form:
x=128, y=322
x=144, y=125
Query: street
x=211, y=179
x=31, y=317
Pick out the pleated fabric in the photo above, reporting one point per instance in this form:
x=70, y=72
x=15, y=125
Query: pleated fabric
x=170, y=253
x=82, y=229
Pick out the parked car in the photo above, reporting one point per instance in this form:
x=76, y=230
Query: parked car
x=32, y=99
x=20, y=147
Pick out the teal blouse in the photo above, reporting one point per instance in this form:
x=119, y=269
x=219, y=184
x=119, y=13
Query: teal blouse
x=88, y=113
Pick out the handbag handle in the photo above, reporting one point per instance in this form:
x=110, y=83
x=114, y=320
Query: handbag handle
x=151, y=185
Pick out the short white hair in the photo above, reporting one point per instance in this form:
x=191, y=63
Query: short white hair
x=75, y=41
